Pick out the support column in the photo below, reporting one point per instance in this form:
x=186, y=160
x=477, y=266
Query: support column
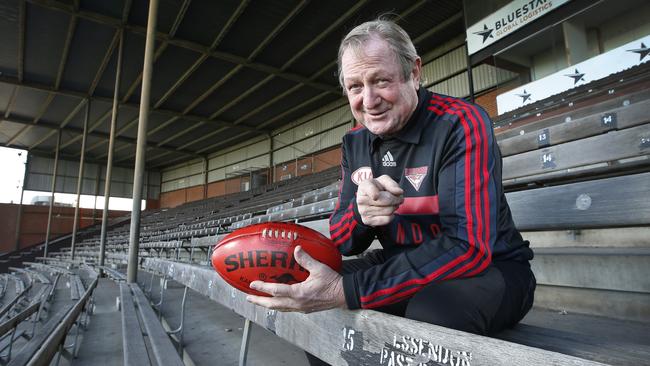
x=54, y=173
x=271, y=162
x=138, y=175
x=98, y=177
x=80, y=179
x=575, y=42
x=470, y=77
x=111, y=148
x=205, y=177
x=20, y=206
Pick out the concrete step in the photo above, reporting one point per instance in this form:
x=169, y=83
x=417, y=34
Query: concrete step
x=623, y=305
x=620, y=269
x=625, y=237
x=613, y=282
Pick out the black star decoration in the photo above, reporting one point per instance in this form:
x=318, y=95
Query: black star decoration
x=486, y=33
x=577, y=76
x=525, y=96
x=643, y=51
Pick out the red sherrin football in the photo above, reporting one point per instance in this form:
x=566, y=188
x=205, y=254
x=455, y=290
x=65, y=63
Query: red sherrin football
x=265, y=252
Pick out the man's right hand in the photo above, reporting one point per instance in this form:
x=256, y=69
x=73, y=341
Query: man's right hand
x=378, y=199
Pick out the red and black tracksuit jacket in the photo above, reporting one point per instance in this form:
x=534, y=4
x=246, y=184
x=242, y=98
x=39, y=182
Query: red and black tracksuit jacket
x=454, y=220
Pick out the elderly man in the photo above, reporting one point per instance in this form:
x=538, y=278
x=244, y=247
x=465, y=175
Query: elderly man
x=422, y=174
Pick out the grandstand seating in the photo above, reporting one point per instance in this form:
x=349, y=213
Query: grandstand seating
x=135, y=351
x=576, y=175
x=34, y=325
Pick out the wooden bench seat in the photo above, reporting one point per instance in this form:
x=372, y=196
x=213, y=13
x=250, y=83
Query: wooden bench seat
x=137, y=324
x=76, y=287
x=133, y=345
x=114, y=274
x=340, y=336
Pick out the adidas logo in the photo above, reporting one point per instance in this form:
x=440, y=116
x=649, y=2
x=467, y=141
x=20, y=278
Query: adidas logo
x=388, y=160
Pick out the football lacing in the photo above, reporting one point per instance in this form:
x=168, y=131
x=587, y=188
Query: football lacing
x=279, y=234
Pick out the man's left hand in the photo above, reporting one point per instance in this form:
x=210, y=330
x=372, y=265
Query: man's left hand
x=322, y=290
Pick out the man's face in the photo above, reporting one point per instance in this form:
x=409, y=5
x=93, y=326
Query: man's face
x=379, y=96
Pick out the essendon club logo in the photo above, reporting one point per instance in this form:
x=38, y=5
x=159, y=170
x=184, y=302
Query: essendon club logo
x=361, y=174
x=415, y=176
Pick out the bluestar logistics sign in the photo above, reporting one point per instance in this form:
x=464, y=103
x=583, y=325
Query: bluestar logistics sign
x=507, y=20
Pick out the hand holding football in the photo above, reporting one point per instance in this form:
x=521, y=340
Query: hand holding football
x=265, y=252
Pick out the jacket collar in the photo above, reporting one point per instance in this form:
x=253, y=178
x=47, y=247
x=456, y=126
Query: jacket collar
x=412, y=131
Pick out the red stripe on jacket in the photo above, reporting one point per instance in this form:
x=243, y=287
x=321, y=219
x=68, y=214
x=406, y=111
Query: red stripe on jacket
x=483, y=246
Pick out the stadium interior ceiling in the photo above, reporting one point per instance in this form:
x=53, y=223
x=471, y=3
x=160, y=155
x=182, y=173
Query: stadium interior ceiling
x=224, y=71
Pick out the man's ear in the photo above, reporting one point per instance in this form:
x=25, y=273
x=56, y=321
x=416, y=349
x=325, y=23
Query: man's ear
x=417, y=72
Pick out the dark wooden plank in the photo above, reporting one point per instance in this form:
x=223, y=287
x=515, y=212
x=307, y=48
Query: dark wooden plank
x=615, y=145
x=163, y=349
x=611, y=202
x=74, y=289
x=135, y=351
x=600, y=170
x=364, y=337
x=586, y=346
x=617, y=118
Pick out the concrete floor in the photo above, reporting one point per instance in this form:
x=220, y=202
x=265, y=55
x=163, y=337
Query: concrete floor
x=212, y=334
x=102, y=341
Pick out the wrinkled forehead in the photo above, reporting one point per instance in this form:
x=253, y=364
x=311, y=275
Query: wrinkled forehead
x=359, y=47
x=368, y=51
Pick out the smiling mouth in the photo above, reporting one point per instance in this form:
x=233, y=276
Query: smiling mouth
x=376, y=114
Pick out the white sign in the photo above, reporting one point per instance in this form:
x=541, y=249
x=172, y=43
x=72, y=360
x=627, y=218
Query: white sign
x=507, y=20
x=618, y=59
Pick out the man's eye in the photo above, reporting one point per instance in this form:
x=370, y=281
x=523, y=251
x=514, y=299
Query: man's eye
x=382, y=82
x=354, y=87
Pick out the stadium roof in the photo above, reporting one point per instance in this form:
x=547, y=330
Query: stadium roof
x=224, y=71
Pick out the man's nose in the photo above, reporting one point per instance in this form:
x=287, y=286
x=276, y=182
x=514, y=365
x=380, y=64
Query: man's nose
x=370, y=98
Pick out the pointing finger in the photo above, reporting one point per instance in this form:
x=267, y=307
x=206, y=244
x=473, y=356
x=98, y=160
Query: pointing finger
x=388, y=184
x=369, y=188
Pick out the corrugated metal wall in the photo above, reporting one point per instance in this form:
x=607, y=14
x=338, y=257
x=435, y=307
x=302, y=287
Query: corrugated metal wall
x=183, y=175
x=323, y=131
x=39, y=178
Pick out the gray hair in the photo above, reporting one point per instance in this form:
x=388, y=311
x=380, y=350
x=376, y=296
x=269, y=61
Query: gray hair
x=398, y=41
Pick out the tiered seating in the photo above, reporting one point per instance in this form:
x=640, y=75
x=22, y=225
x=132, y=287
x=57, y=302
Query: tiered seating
x=33, y=325
x=577, y=191
x=576, y=177
x=177, y=231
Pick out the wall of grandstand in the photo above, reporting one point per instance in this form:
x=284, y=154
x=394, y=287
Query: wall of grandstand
x=39, y=178
x=619, y=27
x=307, y=136
x=310, y=143
x=33, y=223
x=306, y=165
x=628, y=26
x=488, y=100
